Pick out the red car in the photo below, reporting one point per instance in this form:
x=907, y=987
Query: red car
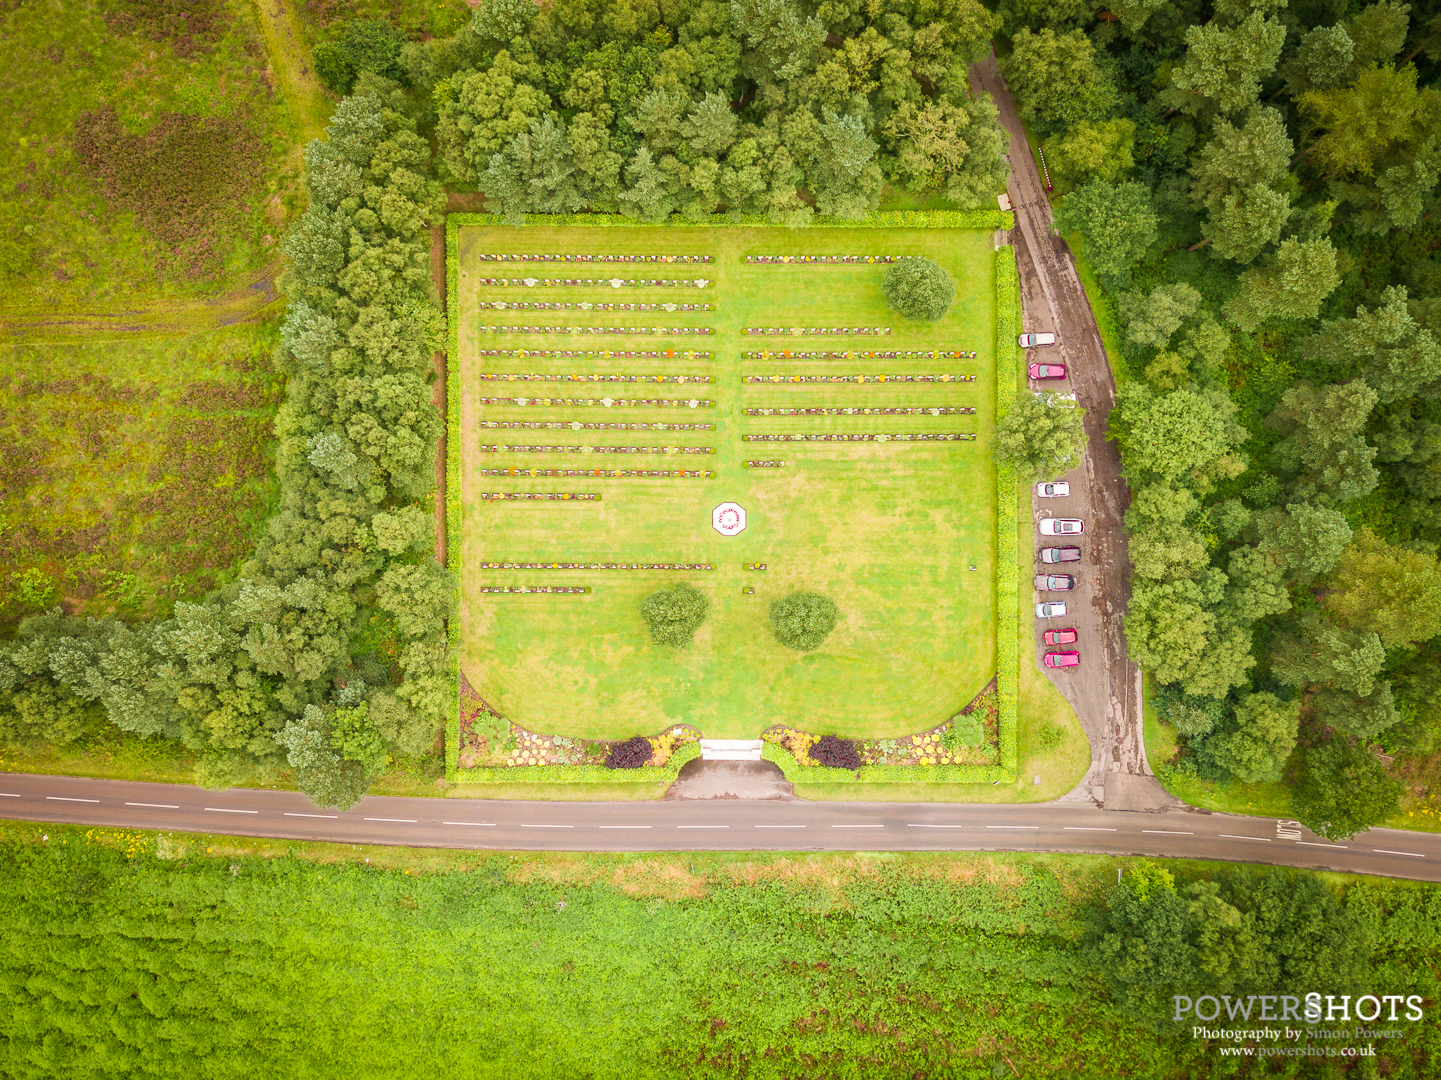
x=1048, y=371
x=1067, y=636
x=1062, y=659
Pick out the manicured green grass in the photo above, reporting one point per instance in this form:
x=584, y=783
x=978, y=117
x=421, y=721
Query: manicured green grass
x=133, y=470
x=1041, y=706
x=887, y=530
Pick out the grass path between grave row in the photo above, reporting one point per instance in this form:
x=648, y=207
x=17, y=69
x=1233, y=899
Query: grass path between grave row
x=889, y=530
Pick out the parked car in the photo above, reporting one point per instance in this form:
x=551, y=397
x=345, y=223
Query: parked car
x=1056, y=489
x=1067, y=636
x=1047, y=371
x=1054, y=582
x=1060, y=554
x=1053, y=609
x=1030, y=341
x=1061, y=659
x=1062, y=527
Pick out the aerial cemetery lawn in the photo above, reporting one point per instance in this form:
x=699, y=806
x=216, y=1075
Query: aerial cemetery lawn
x=614, y=455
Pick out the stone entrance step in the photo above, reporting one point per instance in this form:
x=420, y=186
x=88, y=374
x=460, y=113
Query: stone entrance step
x=730, y=749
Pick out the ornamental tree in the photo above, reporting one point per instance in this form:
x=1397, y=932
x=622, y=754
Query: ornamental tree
x=919, y=288
x=674, y=615
x=1042, y=435
x=803, y=620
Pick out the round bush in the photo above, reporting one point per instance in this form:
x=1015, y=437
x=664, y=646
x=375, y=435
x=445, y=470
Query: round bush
x=835, y=753
x=674, y=614
x=630, y=754
x=919, y=289
x=803, y=620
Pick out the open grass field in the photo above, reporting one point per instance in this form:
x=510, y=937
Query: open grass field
x=131, y=953
x=133, y=470
x=889, y=530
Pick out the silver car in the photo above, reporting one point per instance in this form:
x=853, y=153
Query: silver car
x=1056, y=489
x=1052, y=609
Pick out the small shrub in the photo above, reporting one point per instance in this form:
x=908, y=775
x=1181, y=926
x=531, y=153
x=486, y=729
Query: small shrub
x=964, y=731
x=674, y=615
x=365, y=45
x=919, y=288
x=835, y=753
x=630, y=754
x=803, y=620
x=1049, y=737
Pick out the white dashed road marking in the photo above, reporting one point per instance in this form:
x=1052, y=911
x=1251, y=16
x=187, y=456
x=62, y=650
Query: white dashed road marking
x=331, y=816
x=1229, y=836
x=702, y=826
x=625, y=826
x=1167, y=832
x=482, y=824
x=1013, y=826
x=223, y=810
x=62, y=798
x=912, y=825
x=1086, y=828
x=397, y=820
x=780, y=826
x=547, y=826
x=1312, y=843
x=154, y=805
x=1383, y=851
x=857, y=826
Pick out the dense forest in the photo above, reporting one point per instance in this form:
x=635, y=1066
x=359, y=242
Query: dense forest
x=1255, y=187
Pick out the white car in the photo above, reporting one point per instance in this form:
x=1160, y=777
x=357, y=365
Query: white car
x=1052, y=609
x=1057, y=489
x=1062, y=527
x=1030, y=341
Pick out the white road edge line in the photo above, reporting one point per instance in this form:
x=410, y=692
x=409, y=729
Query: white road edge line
x=62, y=798
x=485, y=824
x=1383, y=851
x=624, y=826
x=1013, y=826
x=1232, y=836
x=1167, y=832
x=154, y=805
x=1312, y=843
x=397, y=820
x=547, y=826
x=1087, y=828
x=223, y=810
x=331, y=816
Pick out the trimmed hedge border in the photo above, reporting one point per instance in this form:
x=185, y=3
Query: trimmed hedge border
x=1008, y=322
x=574, y=774
x=1008, y=650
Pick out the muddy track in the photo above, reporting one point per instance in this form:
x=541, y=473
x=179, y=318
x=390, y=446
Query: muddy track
x=159, y=318
x=1105, y=690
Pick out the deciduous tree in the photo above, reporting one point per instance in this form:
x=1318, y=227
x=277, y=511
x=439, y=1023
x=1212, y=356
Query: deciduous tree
x=1042, y=435
x=1117, y=221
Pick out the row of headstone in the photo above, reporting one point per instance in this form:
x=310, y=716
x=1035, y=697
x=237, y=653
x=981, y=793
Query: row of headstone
x=544, y=496
x=593, y=566
x=584, y=305
x=797, y=331
x=614, y=474
x=597, y=258
x=576, y=425
x=582, y=330
x=911, y=410
x=504, y=448
x=604, y=354
x=781, y=260
x=765, y=464
x=613, y=283
x=857, y=354
x=882, y=437
x=534, y=589
x=858, y=378
x=493, y=376
x=605, y=402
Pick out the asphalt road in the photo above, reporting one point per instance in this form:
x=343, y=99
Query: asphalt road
x=1105, y=690
x=713, y=825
